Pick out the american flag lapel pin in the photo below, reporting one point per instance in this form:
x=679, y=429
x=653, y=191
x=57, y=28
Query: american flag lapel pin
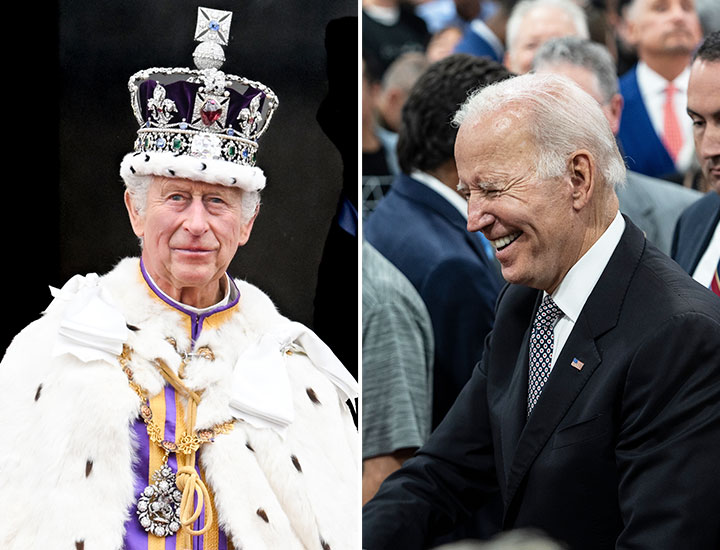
x=577, y=364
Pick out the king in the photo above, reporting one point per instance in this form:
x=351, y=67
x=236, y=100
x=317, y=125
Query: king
x=174, y=406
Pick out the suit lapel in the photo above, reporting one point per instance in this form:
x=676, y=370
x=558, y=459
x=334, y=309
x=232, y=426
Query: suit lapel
x=599, y=315
x=560, y=391
x=515, y=409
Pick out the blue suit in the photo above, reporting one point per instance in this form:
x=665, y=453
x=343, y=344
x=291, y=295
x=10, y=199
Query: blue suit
x=474, y=44
x=643, y=150
x=694, y=230
x=426, y=238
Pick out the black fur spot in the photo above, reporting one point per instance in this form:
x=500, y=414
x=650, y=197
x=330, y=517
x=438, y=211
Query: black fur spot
x=313, y=396
x=37, y=393
x=260, y=512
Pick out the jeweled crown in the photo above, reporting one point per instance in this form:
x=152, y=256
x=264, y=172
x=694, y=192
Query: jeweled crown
x=202, y=113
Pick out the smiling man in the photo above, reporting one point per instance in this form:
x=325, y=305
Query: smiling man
x=171, y=405
x=596, y=407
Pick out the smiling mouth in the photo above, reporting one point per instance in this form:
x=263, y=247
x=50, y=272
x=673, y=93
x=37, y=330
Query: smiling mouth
x=193, y=250
x=504, y=242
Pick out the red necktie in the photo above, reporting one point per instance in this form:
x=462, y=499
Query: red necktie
x=715, y=283
x=672, y=134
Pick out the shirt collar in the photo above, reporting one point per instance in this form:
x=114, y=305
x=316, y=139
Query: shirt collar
x=443, y=190
x=654, y=83
x=573, y=291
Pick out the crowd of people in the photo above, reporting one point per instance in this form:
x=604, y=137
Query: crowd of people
x=541, y=238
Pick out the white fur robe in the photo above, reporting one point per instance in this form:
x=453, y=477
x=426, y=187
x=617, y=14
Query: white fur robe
x=66, y=449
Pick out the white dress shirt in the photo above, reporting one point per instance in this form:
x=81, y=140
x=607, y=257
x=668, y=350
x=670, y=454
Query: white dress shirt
x=705, y=269
x=652, y=89
x=573, y=291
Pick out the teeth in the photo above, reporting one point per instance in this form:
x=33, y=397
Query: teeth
x=504, y=241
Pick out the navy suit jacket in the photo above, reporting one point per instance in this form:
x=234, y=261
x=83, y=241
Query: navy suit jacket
x=644, y=151
x=694, y=230
x=474, y=44
x=622, y=453
x=426, y=238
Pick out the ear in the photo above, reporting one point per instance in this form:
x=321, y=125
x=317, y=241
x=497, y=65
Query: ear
x=246, y=229
x=136, y=220
x=615, y=107
x=582, y=178
x=507, y=60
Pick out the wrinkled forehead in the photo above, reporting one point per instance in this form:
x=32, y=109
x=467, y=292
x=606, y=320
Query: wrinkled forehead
x=500, y=139
x=164, y=184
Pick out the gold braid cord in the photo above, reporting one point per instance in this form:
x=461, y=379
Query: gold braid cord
x=187, y=479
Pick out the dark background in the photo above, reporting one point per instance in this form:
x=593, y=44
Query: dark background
x=70, y=123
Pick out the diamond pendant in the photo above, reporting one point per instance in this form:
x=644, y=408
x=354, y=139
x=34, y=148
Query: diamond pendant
x=158, y=507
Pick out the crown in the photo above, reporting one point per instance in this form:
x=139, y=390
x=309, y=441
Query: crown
x=200, y=123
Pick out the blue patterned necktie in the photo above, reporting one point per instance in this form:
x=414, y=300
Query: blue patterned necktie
x=541, y=349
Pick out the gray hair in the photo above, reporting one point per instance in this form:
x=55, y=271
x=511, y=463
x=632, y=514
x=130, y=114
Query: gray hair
x=522, y=8
x=561, y=117
x=581, y=52
x=139, y=185
x=521, y=539
x=404, y=71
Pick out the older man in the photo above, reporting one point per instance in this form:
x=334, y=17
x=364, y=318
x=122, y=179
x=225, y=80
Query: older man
x=166, y=405
x=596, y=406
x=534, y=22
x=653, y=204
x=654, y=133
x=696, y=243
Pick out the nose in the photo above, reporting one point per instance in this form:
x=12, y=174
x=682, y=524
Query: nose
x=196, y=217
x=709, y=147
x=479, y=216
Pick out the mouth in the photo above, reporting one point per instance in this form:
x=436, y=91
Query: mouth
x=192, y=250
x=503, y=242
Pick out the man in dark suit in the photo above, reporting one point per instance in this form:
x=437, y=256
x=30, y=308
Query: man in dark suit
x=596, y=407
x=696, y=243
x=420, y=225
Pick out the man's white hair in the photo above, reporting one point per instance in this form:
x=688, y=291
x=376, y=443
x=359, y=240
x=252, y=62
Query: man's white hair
x=139, y=186
x=522, y=8
x=561, y=118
